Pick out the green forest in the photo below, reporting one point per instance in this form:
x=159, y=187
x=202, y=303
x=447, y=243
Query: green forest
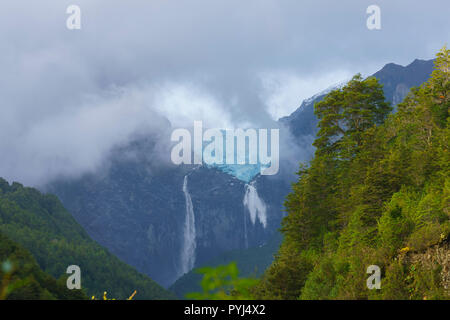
x=23, y=279
x=377, y=192
x=31, y=222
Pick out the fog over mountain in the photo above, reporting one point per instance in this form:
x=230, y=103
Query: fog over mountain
x=69, y=96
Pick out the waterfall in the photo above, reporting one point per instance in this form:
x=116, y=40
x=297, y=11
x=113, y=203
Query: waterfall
x=255, y=205
x=245, y=231
x=189, y=244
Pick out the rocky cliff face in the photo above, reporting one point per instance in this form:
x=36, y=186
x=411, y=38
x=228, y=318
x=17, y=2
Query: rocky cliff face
x=138, y=208
x=436, y=256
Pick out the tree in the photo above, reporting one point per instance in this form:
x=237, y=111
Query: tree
x=377, y=190
x=345, y=113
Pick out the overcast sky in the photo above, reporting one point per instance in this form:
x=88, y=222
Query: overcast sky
x=68, y=96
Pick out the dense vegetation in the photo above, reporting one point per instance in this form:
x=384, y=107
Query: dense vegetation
x=40, y=224
x=223, y=283
x=23, y=278
x=377, y=190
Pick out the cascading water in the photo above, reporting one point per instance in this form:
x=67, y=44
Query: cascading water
x=189, y=244
x=245, y=231
x=255, y=205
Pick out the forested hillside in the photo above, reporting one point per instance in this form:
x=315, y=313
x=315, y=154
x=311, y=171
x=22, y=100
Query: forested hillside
x=40, y=224
x=23, y=279
x=376, y=193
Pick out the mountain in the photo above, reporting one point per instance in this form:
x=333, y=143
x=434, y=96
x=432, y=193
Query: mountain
x=137, y=209
x=397, y=80
x=164, y=219
x=39, y=223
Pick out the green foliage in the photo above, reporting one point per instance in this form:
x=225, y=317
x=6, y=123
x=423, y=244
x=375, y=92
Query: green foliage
x=412, y=281
x=22, y=278
x=223, y=283
x=287, y=273
x=40, y=224
x=377, y=188
x=344, y=114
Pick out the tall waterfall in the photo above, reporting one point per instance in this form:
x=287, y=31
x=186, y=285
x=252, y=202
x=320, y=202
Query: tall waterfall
x=245, y=230
x=189, y=244
x=255, y=205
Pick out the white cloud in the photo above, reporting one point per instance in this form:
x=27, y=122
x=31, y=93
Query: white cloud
x=284, y=91
x=68, y=96
x=182, y=104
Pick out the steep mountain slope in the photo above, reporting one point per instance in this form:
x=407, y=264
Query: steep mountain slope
x=41, y=224
x=137, y=209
